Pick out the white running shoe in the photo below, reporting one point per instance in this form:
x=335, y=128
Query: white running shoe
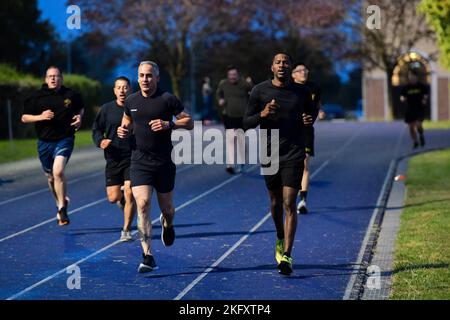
x=125, y=236
x=301, y=208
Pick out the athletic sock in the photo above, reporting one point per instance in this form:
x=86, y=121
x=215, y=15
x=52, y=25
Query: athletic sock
x=303, y=195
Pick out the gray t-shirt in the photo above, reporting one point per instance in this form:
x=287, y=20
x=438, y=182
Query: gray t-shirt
x=236, y=97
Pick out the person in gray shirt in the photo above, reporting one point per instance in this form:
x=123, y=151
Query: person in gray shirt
x=232, y=95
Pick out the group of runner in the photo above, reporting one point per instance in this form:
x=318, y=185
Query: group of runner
x=135, y=129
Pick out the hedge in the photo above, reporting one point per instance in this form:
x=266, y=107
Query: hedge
x=15, y=86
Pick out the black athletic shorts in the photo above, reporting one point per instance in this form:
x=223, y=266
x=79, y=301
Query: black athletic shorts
x=287, y=176
x=117, y=172
x=309, y=141
x=414, y=114
x=144, y=172
x=233, y=123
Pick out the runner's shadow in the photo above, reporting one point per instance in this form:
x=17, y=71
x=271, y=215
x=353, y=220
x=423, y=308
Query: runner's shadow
x=211, y=234
x=412, y=267
x=342, y=209
x=348, y=268
x=85, y=231
x=2, y=182
x=417, y=204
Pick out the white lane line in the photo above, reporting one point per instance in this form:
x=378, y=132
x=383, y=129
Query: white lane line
x=69, y=213
x=26, y=195
x=53, y=219
x=362, y=250
x=204, y=194
x=256, y=227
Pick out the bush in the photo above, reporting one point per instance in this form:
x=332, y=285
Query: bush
x=15, y=87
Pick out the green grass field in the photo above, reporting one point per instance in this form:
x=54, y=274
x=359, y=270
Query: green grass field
x=422, y=254
x=436, y=125
x=26, y=148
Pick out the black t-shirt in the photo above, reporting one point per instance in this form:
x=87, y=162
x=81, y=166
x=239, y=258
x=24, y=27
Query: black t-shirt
x=414, y=94
x=294, y=100
x=65, y=104
x=105, y=126
x=161, y=105
x=316, y=96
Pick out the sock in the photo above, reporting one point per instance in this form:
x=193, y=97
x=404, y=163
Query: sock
x=303, y=195
x=280, y=235
x=287, y=254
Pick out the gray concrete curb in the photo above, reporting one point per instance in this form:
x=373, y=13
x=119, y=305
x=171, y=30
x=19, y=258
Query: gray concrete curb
x=379, y=273
x=382, y=258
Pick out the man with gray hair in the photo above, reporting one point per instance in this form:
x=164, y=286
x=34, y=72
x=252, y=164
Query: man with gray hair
x=151, y=111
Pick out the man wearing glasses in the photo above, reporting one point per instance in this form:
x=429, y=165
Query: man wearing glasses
x=56, y=112
x=300, y=75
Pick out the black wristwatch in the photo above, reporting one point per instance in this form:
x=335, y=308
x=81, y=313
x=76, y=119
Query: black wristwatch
x=171, y=125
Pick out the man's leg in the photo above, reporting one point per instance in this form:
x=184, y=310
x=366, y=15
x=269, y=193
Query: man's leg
x=129, y=209
x=276, y=209
x=413, y=134
x=142, y=196
x=51, y=186
x=165, y=201
x=420, y=130
x=229, y=139
x=305, y=183
x=113, y=193
x=240, y=137
x=59, y=183
x=290, y=224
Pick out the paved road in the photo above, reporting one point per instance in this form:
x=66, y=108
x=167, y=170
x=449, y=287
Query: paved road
x=225, y=237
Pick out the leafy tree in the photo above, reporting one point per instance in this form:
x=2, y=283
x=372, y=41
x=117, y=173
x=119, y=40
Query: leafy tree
x=438, y=16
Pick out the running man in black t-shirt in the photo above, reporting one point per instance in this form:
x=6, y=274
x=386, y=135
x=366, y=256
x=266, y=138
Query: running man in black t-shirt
x=117, y=154
x=415, y=96
x=56, y=112
x=286, y=106
x=300, y=75
x=151, y=111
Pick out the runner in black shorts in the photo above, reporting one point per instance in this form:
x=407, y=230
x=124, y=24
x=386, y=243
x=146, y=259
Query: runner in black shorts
x=284, y=105
x=415, y=96
x=300, y=75
x=56, y=112
x=151, y=111
x=117, y=154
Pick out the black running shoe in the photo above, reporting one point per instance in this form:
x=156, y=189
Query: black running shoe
x=167, y=233
x=285, y=266
x=63, y=218
x=148, y=265
x=230, y=170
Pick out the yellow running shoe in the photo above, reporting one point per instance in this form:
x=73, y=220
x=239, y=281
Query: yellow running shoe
x=279, y=250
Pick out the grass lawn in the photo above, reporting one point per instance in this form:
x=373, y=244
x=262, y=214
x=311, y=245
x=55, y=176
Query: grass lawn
x=26, y=148
x=427, y=124
x=422, y=254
